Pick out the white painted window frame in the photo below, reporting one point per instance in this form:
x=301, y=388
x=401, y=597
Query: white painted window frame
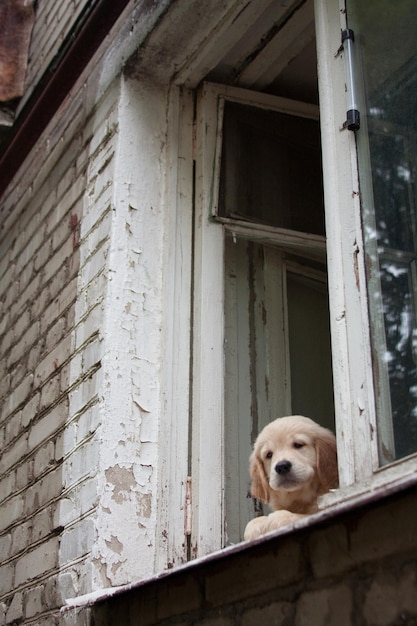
x=202, y=379
x=352, y=357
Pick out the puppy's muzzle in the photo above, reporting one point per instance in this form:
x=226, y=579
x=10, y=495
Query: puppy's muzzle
x=283, y=467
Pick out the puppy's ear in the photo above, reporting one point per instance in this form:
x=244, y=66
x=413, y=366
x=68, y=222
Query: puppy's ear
x=327, y=460
x=260, y=483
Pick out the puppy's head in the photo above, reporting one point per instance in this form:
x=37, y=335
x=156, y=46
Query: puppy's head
x=294, y=459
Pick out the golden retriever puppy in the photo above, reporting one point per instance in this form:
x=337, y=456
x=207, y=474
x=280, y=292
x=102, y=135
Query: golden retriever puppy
x=294, y=461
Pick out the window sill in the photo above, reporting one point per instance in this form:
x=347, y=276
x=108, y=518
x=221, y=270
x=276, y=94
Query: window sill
x=333, y=513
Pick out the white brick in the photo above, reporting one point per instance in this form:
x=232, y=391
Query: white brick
x=15, y=611
x=55, y=333
x=37, y=562
x=11, y=511
x=50, y=392
x=6, y=578
x=99, y=233
x=68, y=271
x=93, y=353
x=26, y=276
x=13, y=454
x=20, y=325
x=77, y=541
x=27, y=247
x=4, y=390
x=89, y=326
x=43, y=492
x=4, y=321
x=43, y=458
x=30, y=410
x=33, y=601
x=26, y=296
x=85, y=393
x=7, y=484
x=63, y=231
x=42, y=256
x=53, y=360
x=75, y=368
x=88, y=422
x=82, y=463
x=94, y=290
x=67, y=180
x=21, y=348
x=8, y=279
x=39, y=303
x=13, y=427
x=21, y=536
x=42, y=524
x=34, y=355
x=55, y=263
x=19, y=395
x=48, y=425
x=95, y=264
x=5, y=546
x=23, y=473
x=62, y=301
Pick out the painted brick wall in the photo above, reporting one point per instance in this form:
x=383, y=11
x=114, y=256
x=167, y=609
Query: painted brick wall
x=53, y=22
x=50, y=363
x=81, y=344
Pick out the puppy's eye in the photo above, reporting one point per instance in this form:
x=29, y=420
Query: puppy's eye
x=268, y=455
x=297, y=445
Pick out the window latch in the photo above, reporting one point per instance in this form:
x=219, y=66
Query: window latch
x=352, y=114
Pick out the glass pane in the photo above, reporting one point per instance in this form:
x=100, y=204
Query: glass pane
x=309, y=342
x=271, y=169
x=386, y=41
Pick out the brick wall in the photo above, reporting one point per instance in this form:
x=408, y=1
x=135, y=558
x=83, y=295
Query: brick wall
x=357, y=567
x=81, y=256
x=50, y=360
x=53, y=22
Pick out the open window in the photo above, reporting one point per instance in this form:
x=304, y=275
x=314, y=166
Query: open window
x=302, y=279
x=387, y=152
x=266, y=206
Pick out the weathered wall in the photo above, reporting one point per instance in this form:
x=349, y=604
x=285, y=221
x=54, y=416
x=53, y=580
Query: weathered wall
x=83, y=299
x=43, y=368
x=80, y=352
x=358, y=568
x=85, y=249
x=53, y=22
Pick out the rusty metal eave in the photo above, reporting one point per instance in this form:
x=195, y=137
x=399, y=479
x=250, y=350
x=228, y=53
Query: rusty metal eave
x=78, y=48
x=16, y=22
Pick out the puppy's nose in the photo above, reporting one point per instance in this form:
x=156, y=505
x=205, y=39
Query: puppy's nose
x=283, y=467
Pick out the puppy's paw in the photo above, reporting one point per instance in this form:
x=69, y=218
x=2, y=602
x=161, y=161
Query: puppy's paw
x=255, y=528
x=279, y=519
x=268, y=523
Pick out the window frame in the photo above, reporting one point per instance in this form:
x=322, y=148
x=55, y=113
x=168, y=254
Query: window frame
x=202, y=378
x=356, y=424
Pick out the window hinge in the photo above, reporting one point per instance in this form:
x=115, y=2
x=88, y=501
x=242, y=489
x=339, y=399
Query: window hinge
x=188, y=508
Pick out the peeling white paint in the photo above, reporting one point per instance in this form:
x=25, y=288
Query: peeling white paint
x=132, y=352
x=122, y=454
